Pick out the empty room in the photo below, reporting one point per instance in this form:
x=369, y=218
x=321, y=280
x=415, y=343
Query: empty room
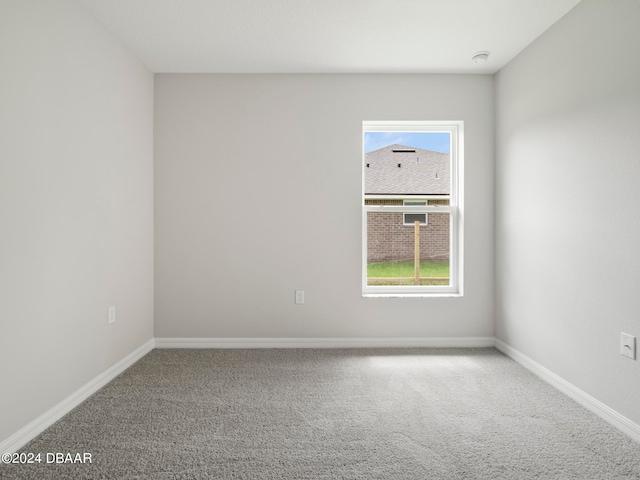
x=337, y=239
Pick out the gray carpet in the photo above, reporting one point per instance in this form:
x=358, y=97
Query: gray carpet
x=332, y=414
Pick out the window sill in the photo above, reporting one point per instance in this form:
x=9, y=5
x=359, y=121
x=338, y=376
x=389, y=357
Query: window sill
x=411, y=295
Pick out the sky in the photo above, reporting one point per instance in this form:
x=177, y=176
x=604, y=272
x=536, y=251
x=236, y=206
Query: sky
x=435, y=141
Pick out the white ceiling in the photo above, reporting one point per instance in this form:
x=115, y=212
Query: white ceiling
x=326, y=36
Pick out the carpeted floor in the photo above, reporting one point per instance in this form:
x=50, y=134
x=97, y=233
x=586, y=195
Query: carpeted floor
x=331, y=414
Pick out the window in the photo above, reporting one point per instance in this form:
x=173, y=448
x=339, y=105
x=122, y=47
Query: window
x=411, y=218
x=412, y=208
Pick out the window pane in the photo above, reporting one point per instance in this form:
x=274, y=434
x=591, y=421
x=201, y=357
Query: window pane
x=411, y=218
x=407, y=163
x=391, y=249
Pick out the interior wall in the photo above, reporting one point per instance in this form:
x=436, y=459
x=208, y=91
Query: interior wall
x=76, y=204
x=568, y=200
x=258, y=194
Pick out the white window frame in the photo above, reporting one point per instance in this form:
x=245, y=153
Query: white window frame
x=455, y=210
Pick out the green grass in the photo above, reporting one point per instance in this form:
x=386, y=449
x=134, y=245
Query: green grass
x=405, y=269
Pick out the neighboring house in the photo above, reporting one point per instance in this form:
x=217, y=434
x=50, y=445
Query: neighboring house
x=402, y=175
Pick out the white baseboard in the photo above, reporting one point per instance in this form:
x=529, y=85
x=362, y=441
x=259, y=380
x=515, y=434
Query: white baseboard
x=345, y=342
x=595, y=406
x=44, y=421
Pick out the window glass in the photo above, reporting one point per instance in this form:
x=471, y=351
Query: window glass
x=410, y=206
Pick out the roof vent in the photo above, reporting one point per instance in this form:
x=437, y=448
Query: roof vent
x=367, y=165
x=399, y=165
x=403, y=150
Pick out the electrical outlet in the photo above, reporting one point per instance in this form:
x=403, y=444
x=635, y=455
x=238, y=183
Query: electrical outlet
x=299, y=297
x=112, y=315
x=628, y=345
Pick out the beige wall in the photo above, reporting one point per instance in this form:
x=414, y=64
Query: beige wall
x=568, y=200
x=76, y=205
x=258, y=193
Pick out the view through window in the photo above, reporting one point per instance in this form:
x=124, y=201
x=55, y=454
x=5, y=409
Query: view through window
x=411, y=208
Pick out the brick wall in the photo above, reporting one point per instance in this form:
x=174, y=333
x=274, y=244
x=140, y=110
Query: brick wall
x=388, y=240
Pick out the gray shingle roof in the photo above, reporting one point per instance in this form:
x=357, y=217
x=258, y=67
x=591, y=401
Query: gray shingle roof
x=421, y=171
